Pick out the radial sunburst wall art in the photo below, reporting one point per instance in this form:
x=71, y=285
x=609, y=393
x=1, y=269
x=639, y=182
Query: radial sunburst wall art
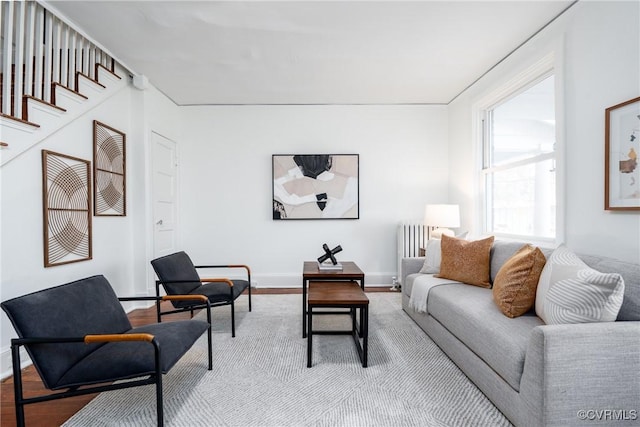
x=66, y=205
x=109, y=171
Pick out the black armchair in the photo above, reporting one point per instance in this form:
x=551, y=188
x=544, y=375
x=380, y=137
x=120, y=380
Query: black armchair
x=177, y=275
x=78, y=334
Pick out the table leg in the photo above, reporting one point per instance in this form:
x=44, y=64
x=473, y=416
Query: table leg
x=354, y=327
x=309, y=337
x=304, y=308
x=361, y=315
x=365, y=336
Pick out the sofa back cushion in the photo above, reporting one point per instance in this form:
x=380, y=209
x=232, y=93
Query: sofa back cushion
x=502, y=250
x=630, y=272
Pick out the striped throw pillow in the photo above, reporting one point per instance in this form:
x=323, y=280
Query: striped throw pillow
x=569, y=291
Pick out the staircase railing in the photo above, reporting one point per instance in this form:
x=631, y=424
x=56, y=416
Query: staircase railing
x=39, y=50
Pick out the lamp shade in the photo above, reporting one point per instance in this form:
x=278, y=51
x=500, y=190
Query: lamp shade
x=442, y=216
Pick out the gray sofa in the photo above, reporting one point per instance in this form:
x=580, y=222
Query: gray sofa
x=537, y=374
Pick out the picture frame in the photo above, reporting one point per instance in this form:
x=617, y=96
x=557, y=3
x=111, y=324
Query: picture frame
x=622, y=148
x=66, y=203
x=315, y=186
x=109, y=171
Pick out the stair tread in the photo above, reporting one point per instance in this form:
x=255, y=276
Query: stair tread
x=42, y=101
x=70, y=90
x=26, y=122
x=80, y=74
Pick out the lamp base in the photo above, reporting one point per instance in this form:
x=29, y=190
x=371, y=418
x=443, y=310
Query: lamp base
x=438, y=232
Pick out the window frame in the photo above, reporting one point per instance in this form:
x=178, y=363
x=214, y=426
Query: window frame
x=548, y=65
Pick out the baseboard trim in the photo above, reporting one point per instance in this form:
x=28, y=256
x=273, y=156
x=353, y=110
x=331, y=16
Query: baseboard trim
x=6, y=367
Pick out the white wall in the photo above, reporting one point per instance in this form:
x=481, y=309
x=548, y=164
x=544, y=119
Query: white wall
x=226, y=192
x=600, y=66
x=119, y=243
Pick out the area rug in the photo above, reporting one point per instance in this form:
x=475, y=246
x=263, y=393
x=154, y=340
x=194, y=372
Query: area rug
x=260, y=377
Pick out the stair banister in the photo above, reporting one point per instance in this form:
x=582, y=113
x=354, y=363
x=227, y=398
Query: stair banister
x=7, y=49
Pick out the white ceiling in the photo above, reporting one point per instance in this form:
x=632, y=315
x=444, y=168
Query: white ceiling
x=310, y=52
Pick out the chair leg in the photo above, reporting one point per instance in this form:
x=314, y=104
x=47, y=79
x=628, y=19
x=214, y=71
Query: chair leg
x=249, y=280
x=158, y=313
x=209, y=340
x=233, y=319
x=159, y=398
x=17, y=385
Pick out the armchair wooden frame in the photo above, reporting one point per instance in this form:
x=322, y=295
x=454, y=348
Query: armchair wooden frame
x=191, y=308
x=156, y=378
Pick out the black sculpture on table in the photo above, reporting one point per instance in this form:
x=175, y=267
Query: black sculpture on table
x=329, y=254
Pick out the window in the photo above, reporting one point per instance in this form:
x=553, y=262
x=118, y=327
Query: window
x=519, y=160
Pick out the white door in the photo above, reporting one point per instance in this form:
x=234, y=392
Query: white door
x=164, y=195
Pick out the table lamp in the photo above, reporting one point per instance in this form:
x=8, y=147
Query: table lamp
x=438, y=217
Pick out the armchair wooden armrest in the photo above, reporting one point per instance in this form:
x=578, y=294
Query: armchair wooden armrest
x=246, y=267
x=231, y=266
x=90, y=339
x=202, y=298
x=214, y=280
x=87, y=339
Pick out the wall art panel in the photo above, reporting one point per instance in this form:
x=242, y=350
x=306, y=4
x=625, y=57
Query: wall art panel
x=315, y=186
x=622, y=147
x=109, y=171
x=67, y=209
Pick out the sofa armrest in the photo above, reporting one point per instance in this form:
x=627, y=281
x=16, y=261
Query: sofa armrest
x=585, y=373
x=410, y=266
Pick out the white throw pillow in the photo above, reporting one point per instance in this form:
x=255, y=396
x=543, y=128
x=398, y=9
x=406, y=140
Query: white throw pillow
x=433, y=256
x=569, y=291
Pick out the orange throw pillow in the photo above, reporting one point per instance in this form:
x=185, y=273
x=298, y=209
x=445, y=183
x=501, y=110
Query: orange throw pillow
x=466, y=261
x=514, y=289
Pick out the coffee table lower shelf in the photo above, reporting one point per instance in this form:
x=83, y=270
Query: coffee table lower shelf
x=342, y=295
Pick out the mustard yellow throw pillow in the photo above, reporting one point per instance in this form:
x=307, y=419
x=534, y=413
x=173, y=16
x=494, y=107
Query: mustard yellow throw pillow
x=514, y=289
x=466, y=261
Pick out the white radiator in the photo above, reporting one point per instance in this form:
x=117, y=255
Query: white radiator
x=411, y=238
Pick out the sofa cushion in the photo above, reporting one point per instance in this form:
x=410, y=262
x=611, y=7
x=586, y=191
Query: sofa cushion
x=630, y=272
x=466, y=261
x=469, y=313
x=502, y=250
x=570, y=291
x=514, y=288
x=433, y=257
x=421, y=287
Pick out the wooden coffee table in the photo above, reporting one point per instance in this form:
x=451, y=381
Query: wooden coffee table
x=350, y=272
x=340, y=294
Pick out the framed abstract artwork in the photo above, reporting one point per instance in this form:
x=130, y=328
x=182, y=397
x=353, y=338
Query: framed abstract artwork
x=315, y=186
x=109, y=171
x=622, y=147
x=66, y=202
